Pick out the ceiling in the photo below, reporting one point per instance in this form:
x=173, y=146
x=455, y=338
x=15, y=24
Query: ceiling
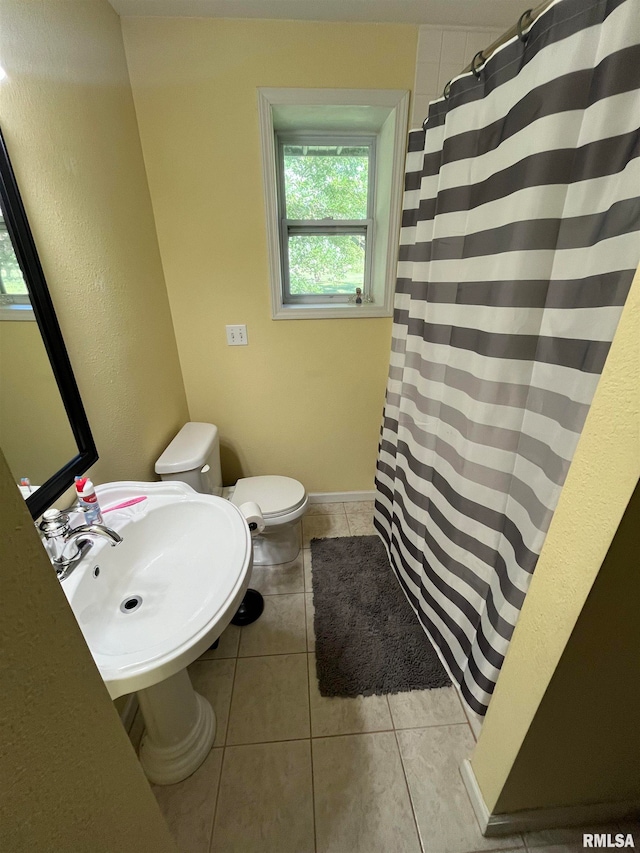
x=468, y=13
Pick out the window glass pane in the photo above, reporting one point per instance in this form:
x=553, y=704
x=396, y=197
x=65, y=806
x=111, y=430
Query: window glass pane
x=326, y=263
x=326, y=181
x=11, y=280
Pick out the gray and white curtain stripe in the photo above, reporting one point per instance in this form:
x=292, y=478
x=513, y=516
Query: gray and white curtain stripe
x=520, y=238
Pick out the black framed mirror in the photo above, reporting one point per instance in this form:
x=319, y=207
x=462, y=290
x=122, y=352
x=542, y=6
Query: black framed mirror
x=28, y=423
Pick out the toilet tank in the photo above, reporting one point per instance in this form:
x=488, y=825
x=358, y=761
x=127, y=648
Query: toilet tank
x=193, y=457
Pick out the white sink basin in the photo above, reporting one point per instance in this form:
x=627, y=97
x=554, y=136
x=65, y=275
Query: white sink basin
x=186, y=557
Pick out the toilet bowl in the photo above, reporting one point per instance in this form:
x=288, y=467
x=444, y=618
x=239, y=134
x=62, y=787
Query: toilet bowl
x=193, y=457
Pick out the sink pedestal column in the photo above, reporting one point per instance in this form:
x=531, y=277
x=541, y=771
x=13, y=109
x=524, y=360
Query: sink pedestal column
x=180, y=729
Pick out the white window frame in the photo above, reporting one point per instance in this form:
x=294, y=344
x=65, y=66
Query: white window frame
x=328, y=114
x=15, y=307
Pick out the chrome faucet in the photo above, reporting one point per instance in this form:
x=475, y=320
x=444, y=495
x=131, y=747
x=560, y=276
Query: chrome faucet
x=65, y=545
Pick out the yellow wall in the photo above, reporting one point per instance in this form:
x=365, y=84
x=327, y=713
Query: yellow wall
x=305, y=397
x=69, y=122
x=29, y=401
x=602, y=477
x=69, y=779
x=583, y=744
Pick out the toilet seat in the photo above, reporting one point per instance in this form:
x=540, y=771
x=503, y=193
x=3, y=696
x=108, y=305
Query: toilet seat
x=281, y=499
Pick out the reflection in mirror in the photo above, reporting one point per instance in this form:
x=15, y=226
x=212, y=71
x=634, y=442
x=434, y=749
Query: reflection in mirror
x=44, y=432
x=13, y=287
x=35, y=435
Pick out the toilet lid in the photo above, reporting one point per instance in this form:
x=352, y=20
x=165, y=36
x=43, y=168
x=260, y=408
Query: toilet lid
x=274, y=495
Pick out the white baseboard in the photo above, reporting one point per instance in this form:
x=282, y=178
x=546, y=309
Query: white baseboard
x=340, y=497
x=533, y=820
x=475, y=795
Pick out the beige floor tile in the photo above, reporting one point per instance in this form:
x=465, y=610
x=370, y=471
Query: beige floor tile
x=274, y=580
x=361, y=797
x=214, y=680
x=361, y=524
x=280, y=630
x=270, y=700
x=310, y=611
x=266, y=802
x=359, y=506
x=306, y=556
x=188, y=806
x=565, y=837
x=338, y=716
x=420, y=708
x=227, y=647
x=446, y=821
x=474, y=720
x=323, y=526
x=325, y=509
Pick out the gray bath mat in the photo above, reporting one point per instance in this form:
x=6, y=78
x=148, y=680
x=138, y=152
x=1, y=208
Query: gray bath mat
x=368, y=639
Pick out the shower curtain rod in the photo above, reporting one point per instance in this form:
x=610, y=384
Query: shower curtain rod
x=524, y=22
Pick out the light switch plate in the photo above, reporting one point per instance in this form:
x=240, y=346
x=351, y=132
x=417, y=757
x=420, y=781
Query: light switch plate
x=237, y=336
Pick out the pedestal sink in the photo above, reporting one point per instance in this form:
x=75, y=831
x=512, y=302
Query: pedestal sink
x=154, y=604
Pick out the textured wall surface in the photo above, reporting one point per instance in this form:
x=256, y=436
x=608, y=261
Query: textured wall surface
x=69, y=779
x=305, y=398
x=601, y=480
x=70, y=126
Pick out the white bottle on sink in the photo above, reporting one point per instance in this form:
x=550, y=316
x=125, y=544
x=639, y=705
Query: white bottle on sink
x=88, y=500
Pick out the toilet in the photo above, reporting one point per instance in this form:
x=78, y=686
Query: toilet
x=193, y=457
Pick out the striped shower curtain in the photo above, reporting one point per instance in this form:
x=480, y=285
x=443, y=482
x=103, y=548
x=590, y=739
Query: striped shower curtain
x=520, y=239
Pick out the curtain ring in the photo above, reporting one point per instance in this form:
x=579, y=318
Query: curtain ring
x=446, y=91
x=521, y=25
x=424, y=123
x=473, y=64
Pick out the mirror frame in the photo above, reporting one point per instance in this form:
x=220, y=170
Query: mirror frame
x=45, y=315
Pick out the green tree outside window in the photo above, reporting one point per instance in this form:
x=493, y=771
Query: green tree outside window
x=325, y=184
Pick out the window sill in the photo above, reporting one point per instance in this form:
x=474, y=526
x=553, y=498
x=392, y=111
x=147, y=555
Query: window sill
x=16, y=312
x=330, y=312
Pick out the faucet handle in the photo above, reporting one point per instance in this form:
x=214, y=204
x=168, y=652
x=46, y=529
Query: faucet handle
x=54, y=523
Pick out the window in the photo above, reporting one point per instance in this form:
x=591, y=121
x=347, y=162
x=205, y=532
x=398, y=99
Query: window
x=326, y=216
x=333, y=165
x=15, y=303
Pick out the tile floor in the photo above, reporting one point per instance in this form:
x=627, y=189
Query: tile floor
x=294, y=772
